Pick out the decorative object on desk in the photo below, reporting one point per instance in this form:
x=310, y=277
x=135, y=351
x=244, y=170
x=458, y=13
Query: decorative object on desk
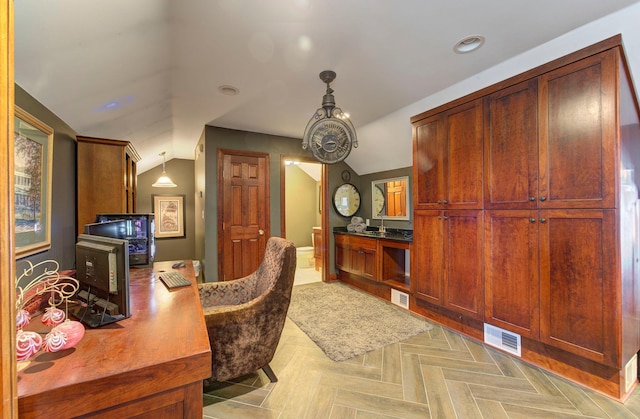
x=329, y=133
x=43, y=281
x=345, y=322
x=164, y=181
x=169, y=215
x=64, y=336
x=53, y=316
x=33, y=154
x=27, y=344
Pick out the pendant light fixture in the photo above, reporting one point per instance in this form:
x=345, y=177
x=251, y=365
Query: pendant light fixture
x=329, y=133
x=164, y=181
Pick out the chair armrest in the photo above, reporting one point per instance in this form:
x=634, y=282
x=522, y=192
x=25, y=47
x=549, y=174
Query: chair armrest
x=227, y=293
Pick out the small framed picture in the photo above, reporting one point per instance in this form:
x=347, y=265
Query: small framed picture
x=169, y=216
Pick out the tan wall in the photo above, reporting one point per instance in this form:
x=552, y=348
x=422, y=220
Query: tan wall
x=301, y=199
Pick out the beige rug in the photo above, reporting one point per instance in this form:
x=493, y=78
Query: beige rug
x=345, y=322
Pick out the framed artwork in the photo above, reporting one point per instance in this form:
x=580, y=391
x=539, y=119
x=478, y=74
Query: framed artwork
x=33, y=161
x=169, y=216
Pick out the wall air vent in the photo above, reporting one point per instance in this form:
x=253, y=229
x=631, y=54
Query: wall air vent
x=400, y=298
x=502, y=339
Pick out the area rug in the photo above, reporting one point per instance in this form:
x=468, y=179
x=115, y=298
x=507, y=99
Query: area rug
x=345, y=322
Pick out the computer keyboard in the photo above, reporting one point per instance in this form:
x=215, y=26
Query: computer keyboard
x=173, y=279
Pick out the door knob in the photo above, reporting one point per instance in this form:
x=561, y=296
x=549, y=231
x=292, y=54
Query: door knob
x=261, y=232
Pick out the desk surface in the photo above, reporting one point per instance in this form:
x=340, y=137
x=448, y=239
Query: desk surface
x=163, y=345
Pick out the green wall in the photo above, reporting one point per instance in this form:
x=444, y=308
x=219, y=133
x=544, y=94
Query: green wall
x=182, y=173
x=276, y=146
x=63, y=186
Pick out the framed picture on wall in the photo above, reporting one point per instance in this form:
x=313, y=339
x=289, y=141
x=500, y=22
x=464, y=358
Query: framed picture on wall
x=169, y=216
x=33, y=160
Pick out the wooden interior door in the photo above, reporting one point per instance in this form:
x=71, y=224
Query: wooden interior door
x=243, y=212
x=396, y=198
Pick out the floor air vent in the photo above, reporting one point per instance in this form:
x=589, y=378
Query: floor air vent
x=502, y=339
x=400, y=298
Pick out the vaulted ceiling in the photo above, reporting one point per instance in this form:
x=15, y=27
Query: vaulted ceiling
x=150, y=71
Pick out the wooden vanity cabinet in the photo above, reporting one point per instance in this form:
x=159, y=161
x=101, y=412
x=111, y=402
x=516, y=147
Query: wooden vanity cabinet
x=357, y=255
x=106, y=180
x=446, y=262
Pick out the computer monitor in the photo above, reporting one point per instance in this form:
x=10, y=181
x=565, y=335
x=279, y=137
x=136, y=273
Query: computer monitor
x=102, y=269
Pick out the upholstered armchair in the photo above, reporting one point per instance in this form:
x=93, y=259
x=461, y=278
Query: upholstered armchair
x=245, y=316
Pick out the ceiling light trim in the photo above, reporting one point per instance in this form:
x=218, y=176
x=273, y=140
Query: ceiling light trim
x=469, y=44
x=228, y=90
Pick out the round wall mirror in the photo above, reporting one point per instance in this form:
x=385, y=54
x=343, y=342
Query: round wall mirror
x=346, y=200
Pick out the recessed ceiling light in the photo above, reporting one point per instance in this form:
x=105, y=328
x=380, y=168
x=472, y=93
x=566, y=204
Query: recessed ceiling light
x=228, y=90
x=468, y=44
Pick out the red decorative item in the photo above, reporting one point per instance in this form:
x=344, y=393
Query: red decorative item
x=27, y=344
x=36, y=285
x=73, y=330
x=53, y=316
x=22, y=319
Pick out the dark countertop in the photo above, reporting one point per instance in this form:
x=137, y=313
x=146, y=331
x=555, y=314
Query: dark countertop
x=372, y=232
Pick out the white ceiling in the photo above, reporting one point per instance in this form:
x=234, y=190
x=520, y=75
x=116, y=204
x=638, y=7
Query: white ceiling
x=148, y=71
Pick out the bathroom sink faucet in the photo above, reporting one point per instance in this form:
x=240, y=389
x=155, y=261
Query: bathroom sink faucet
x=382, y=229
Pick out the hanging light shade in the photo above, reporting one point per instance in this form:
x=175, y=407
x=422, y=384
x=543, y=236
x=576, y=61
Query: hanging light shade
x=329, y=133
x=164, y=181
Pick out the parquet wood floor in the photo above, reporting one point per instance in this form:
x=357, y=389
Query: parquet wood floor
x=437, y=374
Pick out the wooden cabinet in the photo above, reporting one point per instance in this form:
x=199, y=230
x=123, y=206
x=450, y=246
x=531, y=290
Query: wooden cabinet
x=357, y=255
x=511, y=260
x=578, y=123
x=317, y=247
x=560, y=145
x=579, y=288
x=511, y=147
x=447, y=260
x=571, y=166
x=548, y=277
x=448, y=159
x=106, y=179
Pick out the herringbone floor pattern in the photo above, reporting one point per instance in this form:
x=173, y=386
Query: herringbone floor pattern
x=437, y=374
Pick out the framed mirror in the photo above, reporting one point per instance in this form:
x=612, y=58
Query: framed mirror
x=390, y=198
x=346, y=200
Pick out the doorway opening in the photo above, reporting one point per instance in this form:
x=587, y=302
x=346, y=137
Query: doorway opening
x=303, y=216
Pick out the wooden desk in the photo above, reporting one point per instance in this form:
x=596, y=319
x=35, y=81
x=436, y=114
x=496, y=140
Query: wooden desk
x=149, y=365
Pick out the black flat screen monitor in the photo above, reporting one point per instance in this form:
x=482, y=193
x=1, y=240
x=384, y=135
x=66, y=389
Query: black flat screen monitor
x=102, y=269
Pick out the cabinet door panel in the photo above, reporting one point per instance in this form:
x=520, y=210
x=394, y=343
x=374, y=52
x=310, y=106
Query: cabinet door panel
x=511, y=148
x=343, y=258
x=511, y=271
x=463, y=281
x=577, y=134
x=427, y=269
x=428, y=162
x=578, y=310
x=464, y=156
